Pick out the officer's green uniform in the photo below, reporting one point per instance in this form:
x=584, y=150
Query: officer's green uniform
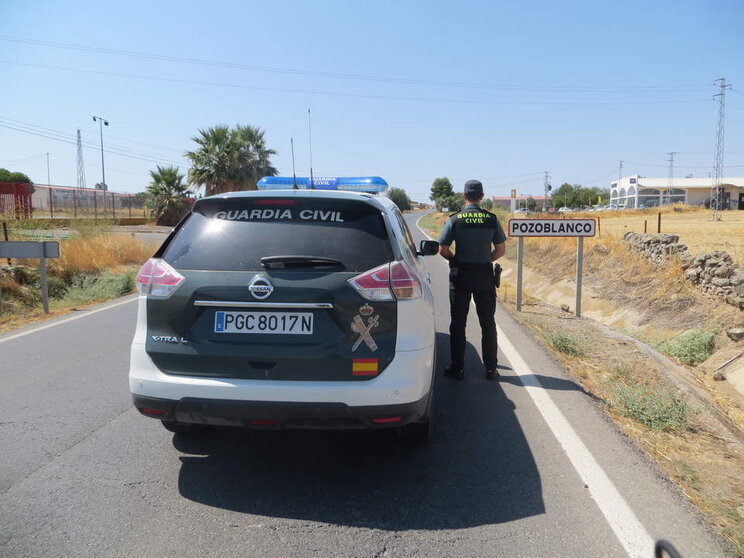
x=474, y=230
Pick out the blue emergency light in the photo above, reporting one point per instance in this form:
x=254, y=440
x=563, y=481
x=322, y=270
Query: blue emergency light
x=368, y=184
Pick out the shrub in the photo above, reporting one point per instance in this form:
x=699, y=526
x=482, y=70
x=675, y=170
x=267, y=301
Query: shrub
x=98, y=254
x=566, y=343
x=656, y=409
x=86, y=288
x=690, y=347
x=622, y=373
x=91, y=227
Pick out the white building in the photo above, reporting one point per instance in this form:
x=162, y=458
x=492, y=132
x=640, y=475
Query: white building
x=636, y=190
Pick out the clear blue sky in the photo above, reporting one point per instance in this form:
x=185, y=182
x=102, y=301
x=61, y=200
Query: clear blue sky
x=569, y=87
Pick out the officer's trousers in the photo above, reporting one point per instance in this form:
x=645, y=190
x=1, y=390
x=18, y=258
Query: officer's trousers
x=475, y=280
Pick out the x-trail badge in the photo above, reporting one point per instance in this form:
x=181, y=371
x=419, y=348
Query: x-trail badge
x=260, y=288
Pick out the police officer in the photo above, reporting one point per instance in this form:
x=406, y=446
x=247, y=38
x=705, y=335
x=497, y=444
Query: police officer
x=480, y=241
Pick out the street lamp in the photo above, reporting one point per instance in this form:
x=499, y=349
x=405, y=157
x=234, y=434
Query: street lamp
x=101, y=123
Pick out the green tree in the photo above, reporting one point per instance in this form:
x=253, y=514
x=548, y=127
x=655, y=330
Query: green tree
x=575, y=195
x=400, y=198
x=531, y=203
x=453, y=203
x=167, y=195
x=229, y=159
x=563, y=196
x=487, y=204
x=261, y=166
x=9, y=176
x=441, y=187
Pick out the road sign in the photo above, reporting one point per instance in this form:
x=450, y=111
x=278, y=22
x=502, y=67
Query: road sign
x=552, y=227
x=521, y=228
x=29, y=249
x=513, y=194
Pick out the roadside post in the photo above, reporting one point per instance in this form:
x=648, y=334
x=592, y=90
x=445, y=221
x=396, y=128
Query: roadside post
x=5, y=236
x=520, y=260
x=580, y=228
x=40, y=250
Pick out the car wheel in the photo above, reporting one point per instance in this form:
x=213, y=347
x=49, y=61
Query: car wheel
x=417, y=432
x=183, y=428
x=420, y=432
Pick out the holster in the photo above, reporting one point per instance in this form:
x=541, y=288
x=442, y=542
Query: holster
x=454, y=274
x=497, y=275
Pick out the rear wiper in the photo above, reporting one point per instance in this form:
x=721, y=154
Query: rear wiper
x=298, y=261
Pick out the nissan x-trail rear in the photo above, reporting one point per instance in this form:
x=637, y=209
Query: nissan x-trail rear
x=286, y=309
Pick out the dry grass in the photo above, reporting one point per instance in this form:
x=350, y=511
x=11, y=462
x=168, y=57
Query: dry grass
x=694, y=227
x=98, y=254
x=691, y=450
x=92, y=267
x=680, y=435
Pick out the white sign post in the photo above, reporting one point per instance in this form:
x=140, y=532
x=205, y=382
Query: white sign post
x=40, y=250
x=579, y=228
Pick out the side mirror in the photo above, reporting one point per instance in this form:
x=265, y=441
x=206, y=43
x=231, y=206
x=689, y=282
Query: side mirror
x=428, y=248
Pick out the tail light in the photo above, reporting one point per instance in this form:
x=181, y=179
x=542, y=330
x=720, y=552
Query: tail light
x=405, y=285
x=158, y=279
x=393, y=281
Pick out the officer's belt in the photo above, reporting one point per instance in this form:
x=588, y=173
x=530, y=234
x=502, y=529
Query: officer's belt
x=472, y=266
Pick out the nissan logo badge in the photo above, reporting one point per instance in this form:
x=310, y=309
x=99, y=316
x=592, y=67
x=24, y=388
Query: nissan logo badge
x=260, y=288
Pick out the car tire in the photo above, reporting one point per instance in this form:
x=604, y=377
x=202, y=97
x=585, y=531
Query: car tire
x=420, y=432
x=417, y=432
x=183, y=428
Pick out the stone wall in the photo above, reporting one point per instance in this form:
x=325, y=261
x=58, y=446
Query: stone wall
x=715, y=273
x=656, y=247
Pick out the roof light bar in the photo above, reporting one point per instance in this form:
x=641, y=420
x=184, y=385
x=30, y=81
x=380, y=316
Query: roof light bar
x=368, y=184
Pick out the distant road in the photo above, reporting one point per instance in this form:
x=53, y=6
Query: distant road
x=528, y=466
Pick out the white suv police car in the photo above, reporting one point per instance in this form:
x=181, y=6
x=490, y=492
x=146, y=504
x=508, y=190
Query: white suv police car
x=287, y=308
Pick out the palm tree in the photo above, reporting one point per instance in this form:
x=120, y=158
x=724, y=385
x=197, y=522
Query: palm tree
x=229, y=159
x=253, y=138
x=167, y=195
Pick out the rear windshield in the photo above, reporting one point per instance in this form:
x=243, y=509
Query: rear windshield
x=234, y=234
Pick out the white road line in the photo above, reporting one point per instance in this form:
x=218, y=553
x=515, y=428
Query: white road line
x=627, y=528
x=66, y=320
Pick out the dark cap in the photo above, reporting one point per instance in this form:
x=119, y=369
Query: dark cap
x=473, y=187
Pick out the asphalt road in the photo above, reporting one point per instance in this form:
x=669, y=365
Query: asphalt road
x=528, y=466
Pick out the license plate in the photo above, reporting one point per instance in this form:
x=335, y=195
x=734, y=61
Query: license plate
x=283, y=323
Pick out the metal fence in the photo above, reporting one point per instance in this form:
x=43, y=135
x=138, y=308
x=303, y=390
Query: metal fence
x=58, y=202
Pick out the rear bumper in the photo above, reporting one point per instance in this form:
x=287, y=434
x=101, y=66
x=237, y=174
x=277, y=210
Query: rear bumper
x=408, y=378
x=280, y=415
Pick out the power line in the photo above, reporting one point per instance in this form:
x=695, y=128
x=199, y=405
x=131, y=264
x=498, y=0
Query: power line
x=338, y=75
x=135, y=142
x=352, y=95
x=24, y=159
x=29, y=127
x=457, y=179
x=681, y=166
x=146, y=155
x=59, y=136
x=603, y=177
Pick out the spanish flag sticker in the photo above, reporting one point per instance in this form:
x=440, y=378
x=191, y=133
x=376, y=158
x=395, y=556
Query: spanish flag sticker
x=364, y=367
